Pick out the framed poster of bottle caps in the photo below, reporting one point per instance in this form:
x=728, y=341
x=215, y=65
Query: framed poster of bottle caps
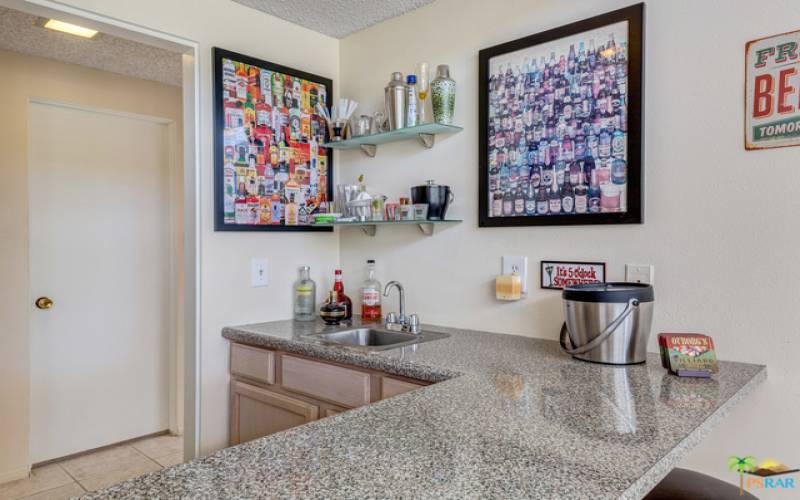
x=271, y=173
x=560, y=125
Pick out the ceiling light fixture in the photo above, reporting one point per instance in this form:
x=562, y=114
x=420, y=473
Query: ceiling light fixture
x=72, y=29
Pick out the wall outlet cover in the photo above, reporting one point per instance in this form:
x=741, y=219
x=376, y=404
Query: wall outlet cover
x=639, y=273
x=521, y=263
x=259, y=273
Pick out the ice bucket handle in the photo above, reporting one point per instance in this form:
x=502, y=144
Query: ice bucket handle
x=632, y=304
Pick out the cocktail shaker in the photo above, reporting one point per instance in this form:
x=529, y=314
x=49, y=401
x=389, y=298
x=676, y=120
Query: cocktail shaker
x=396, y=101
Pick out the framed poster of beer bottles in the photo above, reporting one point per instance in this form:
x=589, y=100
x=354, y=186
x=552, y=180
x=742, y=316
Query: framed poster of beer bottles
x=271, y=173
x=560, y=125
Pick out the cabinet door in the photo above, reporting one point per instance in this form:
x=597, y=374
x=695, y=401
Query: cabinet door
x=391, y=387
x=257, y=412
x=330, y=411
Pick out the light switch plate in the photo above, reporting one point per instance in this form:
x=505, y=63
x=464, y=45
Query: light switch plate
x=259, y=273
x=521, y=263
x=639, y=273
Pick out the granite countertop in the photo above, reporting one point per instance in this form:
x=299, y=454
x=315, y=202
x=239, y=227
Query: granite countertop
x=510, y=417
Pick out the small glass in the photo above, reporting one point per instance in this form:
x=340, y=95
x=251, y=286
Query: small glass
x=392, y=211
x=378, y=207
x=407, y=212
x=339, y=130
x=420, y=211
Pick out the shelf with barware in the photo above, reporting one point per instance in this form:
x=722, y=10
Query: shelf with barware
x=426, y=132
x=370, y=227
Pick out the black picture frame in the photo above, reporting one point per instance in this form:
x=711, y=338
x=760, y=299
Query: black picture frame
x=634, y=15
x=545, y=262
x=219, y=126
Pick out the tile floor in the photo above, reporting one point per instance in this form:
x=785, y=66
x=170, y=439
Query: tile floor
x=74, y=476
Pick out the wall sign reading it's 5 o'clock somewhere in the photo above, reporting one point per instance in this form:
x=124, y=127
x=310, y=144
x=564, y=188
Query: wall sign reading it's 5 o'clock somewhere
x=772, y=97
x=556, y=274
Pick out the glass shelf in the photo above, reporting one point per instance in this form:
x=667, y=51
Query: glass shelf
x=369, y=143
x=370, y=227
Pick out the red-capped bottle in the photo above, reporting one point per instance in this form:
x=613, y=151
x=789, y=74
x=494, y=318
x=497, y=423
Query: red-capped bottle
x=343, y=299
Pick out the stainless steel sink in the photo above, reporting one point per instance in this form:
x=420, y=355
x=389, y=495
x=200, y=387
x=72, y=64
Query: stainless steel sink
x=374, y=339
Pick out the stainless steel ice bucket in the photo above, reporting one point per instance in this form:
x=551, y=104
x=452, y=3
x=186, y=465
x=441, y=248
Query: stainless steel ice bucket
x=607, y=322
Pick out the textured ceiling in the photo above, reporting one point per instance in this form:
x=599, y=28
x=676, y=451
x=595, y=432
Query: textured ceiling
x=19, y=32
x=337, y=18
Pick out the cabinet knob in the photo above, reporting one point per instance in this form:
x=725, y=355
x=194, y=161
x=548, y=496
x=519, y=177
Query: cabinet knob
x=44, y=303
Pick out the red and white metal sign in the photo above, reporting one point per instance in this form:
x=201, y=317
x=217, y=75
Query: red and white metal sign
x=557, y=274
x=772, y=97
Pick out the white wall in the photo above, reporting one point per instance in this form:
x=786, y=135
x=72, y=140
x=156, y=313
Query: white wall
x=720, y=222
x=225, y=266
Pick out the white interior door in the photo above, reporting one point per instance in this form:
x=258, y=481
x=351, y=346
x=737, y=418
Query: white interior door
x=100, y=249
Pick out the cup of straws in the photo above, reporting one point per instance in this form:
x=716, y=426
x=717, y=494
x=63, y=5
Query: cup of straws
x=338, y=119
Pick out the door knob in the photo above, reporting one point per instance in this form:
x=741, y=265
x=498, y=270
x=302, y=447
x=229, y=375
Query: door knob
x=44, y=303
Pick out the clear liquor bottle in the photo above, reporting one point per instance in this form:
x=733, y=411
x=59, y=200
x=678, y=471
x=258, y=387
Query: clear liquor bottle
x=305, y=293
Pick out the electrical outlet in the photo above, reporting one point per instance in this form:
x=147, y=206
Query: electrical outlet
x=521, y=263
x=259, y=273
x=639, y=273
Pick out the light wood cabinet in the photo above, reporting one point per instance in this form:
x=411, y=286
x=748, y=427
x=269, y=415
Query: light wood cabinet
x=257, y=412
x=272, y=391
x=331, y=411
x=391, y=387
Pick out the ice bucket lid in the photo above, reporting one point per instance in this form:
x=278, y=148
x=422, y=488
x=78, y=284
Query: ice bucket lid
x=609, y=292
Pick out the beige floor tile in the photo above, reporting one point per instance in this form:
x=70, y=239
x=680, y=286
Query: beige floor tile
x=41, y=479
x=109, y=477
x=159, y=446
x=104, y=461
x=170, y=460
x=70, y=490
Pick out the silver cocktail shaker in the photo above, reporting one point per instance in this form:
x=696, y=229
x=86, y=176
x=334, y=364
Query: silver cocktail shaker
x=396, y=101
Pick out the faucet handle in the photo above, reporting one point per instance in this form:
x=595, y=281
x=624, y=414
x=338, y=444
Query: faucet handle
x=391, y=318
x=413, y=323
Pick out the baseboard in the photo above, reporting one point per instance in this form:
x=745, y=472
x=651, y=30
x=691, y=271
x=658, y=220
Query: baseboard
x=99, y=448
x=13, y=475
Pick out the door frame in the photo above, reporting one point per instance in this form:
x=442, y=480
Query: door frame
x=191, y=183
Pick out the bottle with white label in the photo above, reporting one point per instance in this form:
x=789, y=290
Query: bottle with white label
x=371, y=295
x=411, y=101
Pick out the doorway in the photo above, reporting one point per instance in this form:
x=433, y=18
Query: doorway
x=22, y=341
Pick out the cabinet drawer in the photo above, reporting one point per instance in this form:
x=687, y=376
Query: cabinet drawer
x=329, y=382
x=253, y=363
x=391, y=387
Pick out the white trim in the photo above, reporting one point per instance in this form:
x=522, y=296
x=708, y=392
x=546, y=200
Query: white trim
x=175, y=378
x=192, y=255
x=192, y=194
x=106, y=24
x=15, y=474
x=102, y=111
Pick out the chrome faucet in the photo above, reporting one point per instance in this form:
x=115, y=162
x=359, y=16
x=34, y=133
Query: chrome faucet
x=400, y=321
